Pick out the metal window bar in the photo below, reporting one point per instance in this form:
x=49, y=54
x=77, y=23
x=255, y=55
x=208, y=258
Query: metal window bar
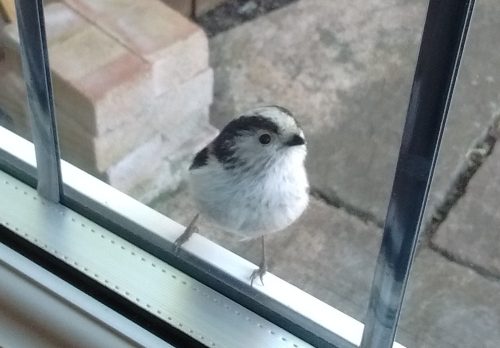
x=36, y=73
x=437, y=67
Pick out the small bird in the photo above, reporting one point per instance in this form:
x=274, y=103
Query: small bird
x=251, y=179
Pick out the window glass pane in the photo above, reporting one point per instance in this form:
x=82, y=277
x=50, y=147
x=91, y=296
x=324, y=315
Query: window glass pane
x=14, y=109
x=345, y=70
x=132, y=91
x=453, y=295
x=139, y=89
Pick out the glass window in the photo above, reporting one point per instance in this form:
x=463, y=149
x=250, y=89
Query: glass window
x=141, y=89
x=453, y=292
x=14, y=108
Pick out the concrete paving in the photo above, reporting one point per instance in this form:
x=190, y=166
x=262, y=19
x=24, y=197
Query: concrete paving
x=332, y=64
x=471, y=232
x=345, y=68
x=449, y=306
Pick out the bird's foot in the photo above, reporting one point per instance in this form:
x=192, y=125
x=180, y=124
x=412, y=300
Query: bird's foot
x=258, y=273
x=184, y=237
x=188, y=232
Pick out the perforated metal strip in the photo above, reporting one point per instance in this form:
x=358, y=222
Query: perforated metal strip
x=142, y=278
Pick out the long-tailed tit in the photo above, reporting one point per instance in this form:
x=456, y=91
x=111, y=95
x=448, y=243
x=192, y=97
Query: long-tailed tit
x=251, y=180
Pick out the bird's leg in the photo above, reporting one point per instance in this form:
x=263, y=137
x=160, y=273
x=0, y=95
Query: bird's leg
x=188, y=232
x=262, y=266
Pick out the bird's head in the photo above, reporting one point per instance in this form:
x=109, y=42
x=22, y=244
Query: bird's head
x=261, y=137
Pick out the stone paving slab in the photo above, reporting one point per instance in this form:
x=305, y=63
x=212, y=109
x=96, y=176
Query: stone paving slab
x=332, y=255
x=345, y=68
x=471, y=232
x=449, y=306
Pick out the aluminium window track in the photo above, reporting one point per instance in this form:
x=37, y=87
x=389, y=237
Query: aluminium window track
x=143, y=280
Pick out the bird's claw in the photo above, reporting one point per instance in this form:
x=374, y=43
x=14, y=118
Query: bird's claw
x=259, y=272
x=184, y=237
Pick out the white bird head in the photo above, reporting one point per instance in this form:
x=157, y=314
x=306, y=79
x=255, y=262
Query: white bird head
x=261, y=138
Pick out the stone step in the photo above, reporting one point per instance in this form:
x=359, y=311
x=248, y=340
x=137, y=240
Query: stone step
x=158, y=166
x=174, y=48
x=164, y=114
x=130, y=78
x=95, y=78
x=128, y=68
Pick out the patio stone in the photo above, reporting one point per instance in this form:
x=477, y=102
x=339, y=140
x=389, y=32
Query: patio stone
x=345, y=69
x=448, y=306
x=471, y=232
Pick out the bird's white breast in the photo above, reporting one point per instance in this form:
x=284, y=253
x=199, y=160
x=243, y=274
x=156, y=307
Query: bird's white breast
x=253, y=202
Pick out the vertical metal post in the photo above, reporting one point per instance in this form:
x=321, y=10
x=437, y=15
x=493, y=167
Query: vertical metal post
x=441, y=48
x=36, y=73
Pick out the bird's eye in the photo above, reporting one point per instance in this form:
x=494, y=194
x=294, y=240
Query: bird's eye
x=265, y=139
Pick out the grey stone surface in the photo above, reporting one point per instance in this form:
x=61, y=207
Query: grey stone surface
x=471, y=232
x=449, y=306
x=345, y=68
x=328, y=63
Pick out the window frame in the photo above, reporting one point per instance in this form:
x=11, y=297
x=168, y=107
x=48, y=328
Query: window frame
x=113, y=270
x=32, y=289
x=434, y=80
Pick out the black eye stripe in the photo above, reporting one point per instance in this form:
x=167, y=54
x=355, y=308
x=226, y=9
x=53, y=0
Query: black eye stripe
x=223, y=145
x=265, y=139
x=249, y=123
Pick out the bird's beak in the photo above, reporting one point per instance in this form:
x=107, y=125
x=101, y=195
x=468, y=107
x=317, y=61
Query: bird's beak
x=295, y=140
